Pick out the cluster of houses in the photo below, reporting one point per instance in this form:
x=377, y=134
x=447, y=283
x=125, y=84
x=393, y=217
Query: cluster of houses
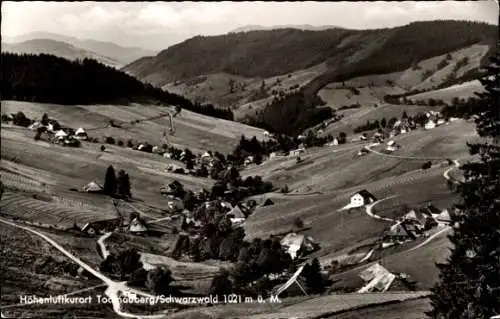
x=434, y=119
x=62, y=136
x=415, y=224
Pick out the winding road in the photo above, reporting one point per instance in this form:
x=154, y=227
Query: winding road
x=115, y=288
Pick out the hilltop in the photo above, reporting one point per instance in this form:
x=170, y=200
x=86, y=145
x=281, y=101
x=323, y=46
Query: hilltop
x=119, y=54
x=57, y=48
x=248, y=28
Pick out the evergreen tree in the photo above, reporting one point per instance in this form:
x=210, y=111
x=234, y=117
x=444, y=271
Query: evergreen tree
x=158, y=280
x=110, y=183
x=45, y=119
x=314, y=279
x=469, y=284
x=123, y=184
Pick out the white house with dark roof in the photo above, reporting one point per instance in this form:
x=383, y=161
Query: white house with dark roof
x=362, y=198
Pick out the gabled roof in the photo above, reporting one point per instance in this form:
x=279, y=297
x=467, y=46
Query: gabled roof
x=137, y=226
x=61, y=133
x=444, y=216
x=92, y=187
x=236, y=212
x=267, y=202
x=80, y=131
x=397, y=230
x=366, y=194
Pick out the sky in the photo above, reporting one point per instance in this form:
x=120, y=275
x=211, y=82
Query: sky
x=157, y=25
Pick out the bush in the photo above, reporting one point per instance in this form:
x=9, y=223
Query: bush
x=103, y=148
x=158, y=280
x=130, y=144
x=427, y=165
x=120, y=143
x=110, y=140
x=298, y=223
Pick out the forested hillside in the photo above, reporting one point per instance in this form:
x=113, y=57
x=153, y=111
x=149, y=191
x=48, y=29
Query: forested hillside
x=49, y=79
x=274, y=52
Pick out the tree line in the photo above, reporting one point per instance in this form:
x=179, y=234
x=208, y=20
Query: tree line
x=49, y=79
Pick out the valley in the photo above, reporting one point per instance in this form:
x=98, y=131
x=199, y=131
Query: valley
x=294, y=171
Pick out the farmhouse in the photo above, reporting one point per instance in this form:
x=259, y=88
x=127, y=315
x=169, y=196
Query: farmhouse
x=35, y=126
x=61, y=135
x=423, y=219
x=430, y=124
x=137, y=226
x=444, y=217
x=81, y=134
x=362, y=198
x=93, y=187
x=297, y=244
x=236, y=215
x=392, y=146
x=377, y=278
x=298, y=151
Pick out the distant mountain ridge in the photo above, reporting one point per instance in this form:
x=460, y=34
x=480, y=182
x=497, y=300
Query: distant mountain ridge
x=122, y=55
x=309, y=27
x=57, y=48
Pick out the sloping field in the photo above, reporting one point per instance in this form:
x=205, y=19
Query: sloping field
x=297, y=307
x=75, y=167
x=46, y=213
x=335, y=168
x=418, y=262
x=24, y=272
x=192, y=130
x=462, y=91
x=411, y=309
x=356, y=117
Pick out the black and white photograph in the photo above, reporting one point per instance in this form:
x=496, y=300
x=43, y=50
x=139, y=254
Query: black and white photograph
x=250, y=160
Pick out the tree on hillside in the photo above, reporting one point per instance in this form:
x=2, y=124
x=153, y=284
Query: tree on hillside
x=110, y=182
x=158, y=280
x=45, y=119
x=469, y=285
x=314, y=279
x=123, y=184
x=298, y=223
x=383, y=123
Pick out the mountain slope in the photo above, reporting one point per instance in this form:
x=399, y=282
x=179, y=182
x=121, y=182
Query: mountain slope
x=50, y=79
x=265, y=54
x=57, y=48
x=116, y=52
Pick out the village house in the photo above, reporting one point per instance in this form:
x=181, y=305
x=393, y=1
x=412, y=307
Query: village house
x=297, y=245
x=137, y=226
x=362, y=198
x=93, y=187
x=392, y=146
x=60, y=135
x=377, y=279
x=81, y=134
x=423, y=219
